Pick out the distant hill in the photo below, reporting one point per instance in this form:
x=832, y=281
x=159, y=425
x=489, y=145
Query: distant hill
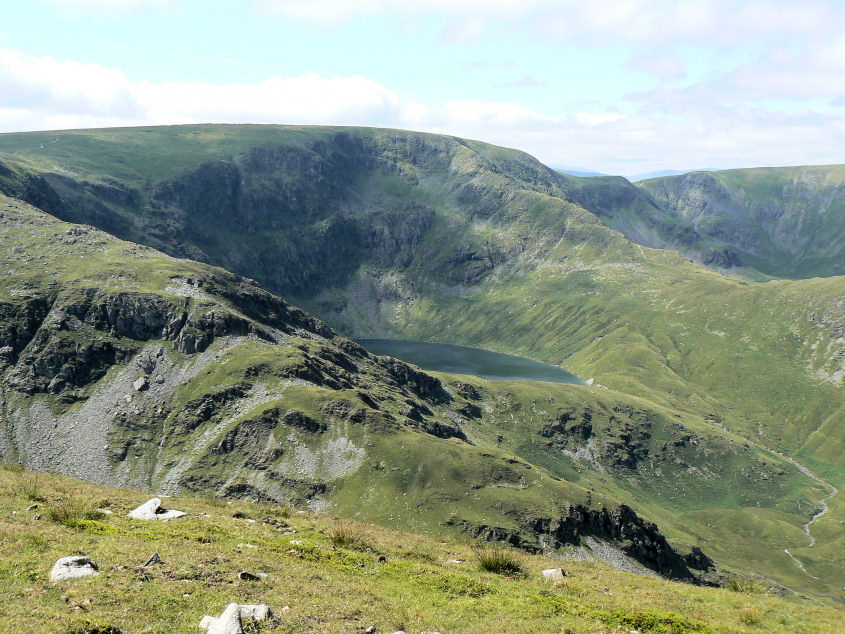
x=659, y=173
x=578, y=171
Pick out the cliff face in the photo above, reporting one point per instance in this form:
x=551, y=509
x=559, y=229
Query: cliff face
x=787, y=221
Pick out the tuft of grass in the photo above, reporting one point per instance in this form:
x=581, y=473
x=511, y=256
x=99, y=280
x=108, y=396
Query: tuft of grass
x=498, y=559
x=743, y=584
x=749, y=616
x=73, y=513
x=347, y=534
x=92, y=627
x=30, y=490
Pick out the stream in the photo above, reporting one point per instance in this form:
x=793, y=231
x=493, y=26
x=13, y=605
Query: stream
x=822, y=501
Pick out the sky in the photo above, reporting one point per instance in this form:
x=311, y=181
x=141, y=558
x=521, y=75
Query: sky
x=617, y=86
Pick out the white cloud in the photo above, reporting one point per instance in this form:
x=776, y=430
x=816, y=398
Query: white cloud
x=340, y=10
x=463, y=30
x=644, y=22
x=41, y=93
x=108, y=6
x=664, y=65
x=594, y=118
x=677, y=127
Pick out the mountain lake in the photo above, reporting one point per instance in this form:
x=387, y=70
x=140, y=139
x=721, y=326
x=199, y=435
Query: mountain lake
x=447, y=357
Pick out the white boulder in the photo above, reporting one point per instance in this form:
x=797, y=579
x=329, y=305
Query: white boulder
x=553, y=574
x=73, y=567
x=151, y=510
x=230, y=622
x=256, y=611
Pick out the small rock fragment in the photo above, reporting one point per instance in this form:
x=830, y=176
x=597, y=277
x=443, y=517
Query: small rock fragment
x=153, y=560
x=31, y=507
x=141, y=384
x=73, y=567
x=244, y=575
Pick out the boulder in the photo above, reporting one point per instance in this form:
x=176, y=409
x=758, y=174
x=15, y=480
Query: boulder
x=141, y=383
x=227, y=623
x=151, y=510
x=256, y=611
x=230, y=622
x=73, y=567
x=554, y=574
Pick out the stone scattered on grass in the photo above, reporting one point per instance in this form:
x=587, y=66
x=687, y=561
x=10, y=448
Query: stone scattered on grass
x=153, y=560
x=554, y=574
x=73, y=567
x=231, y=621
x=151, y=510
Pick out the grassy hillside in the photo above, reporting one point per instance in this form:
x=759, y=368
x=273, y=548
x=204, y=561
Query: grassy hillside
x=332, y=575
x=393, y=233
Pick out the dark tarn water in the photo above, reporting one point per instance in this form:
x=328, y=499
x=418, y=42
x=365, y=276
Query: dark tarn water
x=446, y=357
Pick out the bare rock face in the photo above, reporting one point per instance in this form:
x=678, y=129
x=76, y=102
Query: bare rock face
x=151, y=510
x=73, y=567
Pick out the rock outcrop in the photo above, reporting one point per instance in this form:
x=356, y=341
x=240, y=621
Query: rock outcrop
x=152, y=510
x=73, y=567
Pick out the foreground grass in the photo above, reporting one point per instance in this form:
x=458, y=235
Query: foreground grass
x=373, y=576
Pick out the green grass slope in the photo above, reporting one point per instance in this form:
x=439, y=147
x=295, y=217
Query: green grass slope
x=394, y=233
x=324, y=575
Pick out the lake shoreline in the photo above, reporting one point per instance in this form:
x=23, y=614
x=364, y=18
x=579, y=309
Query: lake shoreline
x=480, y=362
